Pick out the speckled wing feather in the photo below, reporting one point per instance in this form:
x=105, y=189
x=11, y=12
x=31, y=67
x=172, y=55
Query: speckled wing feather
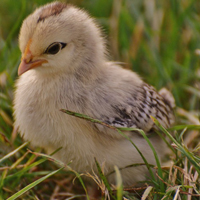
x=144, y=103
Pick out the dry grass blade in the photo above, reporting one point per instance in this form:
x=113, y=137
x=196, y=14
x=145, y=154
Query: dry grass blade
x=177, y=194
x=50, y=158
x=104, y=179
x=191, y=117
x=5, y=138
x=14, y=152
x=146, y=192
x=28, y=187
x=179, y=147
x=147, y=37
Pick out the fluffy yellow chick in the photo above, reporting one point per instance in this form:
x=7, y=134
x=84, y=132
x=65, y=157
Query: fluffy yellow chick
x=64, y=66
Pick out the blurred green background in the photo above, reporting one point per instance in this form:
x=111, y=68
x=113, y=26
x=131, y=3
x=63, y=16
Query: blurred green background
x=157, y=39
x=160, y=40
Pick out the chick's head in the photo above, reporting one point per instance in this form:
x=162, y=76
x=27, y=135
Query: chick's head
x=59, y=38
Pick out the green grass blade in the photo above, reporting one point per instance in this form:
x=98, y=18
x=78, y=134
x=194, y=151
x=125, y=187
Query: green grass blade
x=25, y=169
x=49, y=157
x=132, y=165
x=161, y=184
x=82, y=183
x=85, y=117
x=105, y=181
x=119, y=183
x=14, y=152
x=82, y=116
x=180, y=127
x=28, y=187
x=2, y=178
x=182, y=149
x=156, y=158
x=144, y=159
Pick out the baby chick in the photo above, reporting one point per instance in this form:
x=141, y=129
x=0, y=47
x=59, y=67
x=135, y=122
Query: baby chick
x=64, y=66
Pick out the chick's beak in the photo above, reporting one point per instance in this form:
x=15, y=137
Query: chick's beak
x=28, y=62
x=26, y=65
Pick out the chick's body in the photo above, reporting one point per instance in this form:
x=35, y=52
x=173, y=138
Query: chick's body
x=78, y=77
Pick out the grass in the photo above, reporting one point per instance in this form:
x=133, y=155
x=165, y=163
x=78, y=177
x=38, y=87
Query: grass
x=159, y=40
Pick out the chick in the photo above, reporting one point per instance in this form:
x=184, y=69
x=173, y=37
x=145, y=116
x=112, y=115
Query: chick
x=64, y=66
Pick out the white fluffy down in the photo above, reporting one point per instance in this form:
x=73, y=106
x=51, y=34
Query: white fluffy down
x=80, y=78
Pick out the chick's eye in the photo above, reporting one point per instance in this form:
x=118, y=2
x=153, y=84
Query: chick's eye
x=55, y=47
